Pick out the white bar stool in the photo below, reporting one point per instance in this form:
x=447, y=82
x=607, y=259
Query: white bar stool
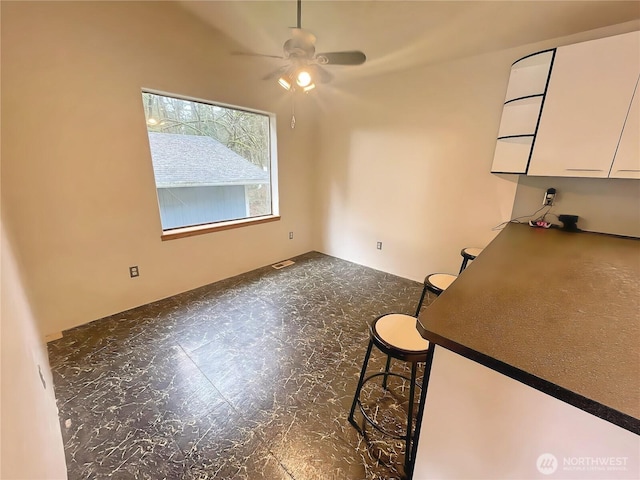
x=436, y=283
x=396, y=335
x=469, y=253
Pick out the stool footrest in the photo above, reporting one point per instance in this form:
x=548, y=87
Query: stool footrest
x=371, y=421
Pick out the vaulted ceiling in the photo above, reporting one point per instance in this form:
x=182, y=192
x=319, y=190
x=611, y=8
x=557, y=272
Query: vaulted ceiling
x=397, y=35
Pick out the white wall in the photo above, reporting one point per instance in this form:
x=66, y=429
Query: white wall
x=603, y=204
x=405, y=160
x=77, y=175
x=31, y=442
x=480, y=424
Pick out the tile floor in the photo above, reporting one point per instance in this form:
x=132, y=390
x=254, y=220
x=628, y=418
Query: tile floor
x=248, y=378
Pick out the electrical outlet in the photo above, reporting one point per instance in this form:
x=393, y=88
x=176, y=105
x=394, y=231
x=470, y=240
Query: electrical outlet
x=290, y=235
x=134, y=272
x=379, y=245
x=549, y=197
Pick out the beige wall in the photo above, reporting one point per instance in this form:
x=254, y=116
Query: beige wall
x=77, y=175
x=603, y=204
x=405, y=160
x=31, y=442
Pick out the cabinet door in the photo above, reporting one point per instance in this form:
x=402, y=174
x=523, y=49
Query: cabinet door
x=587, y=101
x=627, y=161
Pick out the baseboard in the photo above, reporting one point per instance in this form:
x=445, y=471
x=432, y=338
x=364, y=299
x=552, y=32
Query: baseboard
x=52, y=337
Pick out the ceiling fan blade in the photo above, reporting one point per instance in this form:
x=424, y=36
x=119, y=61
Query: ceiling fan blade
x=320, y=74
x=276, y=73
x=251, y=54
x=353, y=57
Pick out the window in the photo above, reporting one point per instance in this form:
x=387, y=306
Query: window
x=214, y=165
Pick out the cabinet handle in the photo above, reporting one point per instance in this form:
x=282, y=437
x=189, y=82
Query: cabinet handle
x=585, y=169
x=628, y=170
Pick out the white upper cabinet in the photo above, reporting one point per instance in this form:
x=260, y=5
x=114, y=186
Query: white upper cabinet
x=627, y=160
x=586, y=106
x=525, y=93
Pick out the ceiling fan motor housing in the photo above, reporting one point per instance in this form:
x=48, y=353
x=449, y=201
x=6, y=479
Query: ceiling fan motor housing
x=296, y=48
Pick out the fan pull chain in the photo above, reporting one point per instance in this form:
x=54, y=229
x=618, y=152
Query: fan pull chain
x=293, y=112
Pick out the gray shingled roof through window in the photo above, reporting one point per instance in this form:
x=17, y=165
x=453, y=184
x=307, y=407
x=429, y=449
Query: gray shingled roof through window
x=191, y=160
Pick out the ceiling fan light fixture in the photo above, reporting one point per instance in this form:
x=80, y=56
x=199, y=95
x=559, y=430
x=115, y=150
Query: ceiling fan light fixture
x=285, y=82
x=303, y=78
x=302, y=65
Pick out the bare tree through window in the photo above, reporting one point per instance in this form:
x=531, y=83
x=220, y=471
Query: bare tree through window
x=212, y=163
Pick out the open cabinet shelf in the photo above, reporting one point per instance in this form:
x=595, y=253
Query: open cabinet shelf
x=521, y=112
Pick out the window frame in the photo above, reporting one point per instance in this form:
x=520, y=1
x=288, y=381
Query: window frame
x=189, y=231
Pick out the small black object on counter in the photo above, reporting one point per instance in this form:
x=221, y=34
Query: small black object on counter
x=569, y=223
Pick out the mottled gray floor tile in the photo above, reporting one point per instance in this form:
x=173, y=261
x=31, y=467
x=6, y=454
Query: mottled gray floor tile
x=258, y=466
x=134, y=455
x=250, y=377
x=309, y=449
x=231, y=447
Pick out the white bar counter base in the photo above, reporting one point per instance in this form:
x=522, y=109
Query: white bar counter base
x=480, y=424
x=536, y=370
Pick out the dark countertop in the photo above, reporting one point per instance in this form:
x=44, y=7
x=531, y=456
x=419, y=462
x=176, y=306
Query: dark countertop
x=558, y=311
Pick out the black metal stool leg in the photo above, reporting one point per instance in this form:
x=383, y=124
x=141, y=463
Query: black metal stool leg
x=423, y=396
x=424, y=293
x=408, y=450
x=465, y=260
x=390, y=334
x=386, y=372
x=356, y=397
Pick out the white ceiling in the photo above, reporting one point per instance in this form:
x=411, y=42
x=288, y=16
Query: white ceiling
x=397, y=35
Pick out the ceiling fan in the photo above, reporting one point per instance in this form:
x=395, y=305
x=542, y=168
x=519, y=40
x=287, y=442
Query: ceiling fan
x=304, y=66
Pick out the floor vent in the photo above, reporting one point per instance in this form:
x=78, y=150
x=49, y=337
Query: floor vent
x=280, y=265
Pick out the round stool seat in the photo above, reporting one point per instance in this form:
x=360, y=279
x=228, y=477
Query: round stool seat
x=438, y=282
x=471, y=253
x=398, y=332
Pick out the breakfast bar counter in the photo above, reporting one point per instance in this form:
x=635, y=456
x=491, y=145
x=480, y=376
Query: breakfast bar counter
x=557, y=311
